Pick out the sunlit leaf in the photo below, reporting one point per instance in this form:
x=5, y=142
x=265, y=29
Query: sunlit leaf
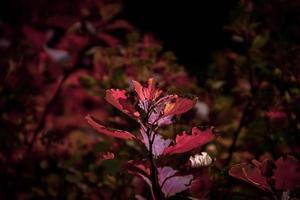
x=148, y=93
x=159, y=143
x=118, y=99
x=179, y=105
x=185, y=142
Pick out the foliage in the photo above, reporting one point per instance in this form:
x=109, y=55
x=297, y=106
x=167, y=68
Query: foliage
x=58, y=67
x=153, y=111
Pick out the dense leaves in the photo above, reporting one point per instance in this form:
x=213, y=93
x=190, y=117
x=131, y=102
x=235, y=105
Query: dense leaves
x=163, y=179
x=285, y=172
x=61, y=59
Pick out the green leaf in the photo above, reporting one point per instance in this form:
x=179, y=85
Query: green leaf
x=87, y=82
x=111, y=166
x=260, y=41
x=101, y=147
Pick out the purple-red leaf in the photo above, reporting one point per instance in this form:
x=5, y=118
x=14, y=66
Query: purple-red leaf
x=171, y=183
x=149, y=93
x=142, y=171
x=185, y=142
x=37, y=38
x=287, y=173
x=108, y=39
x=157, y=115
x=118, y=24
x=250, y=174
x=201, y=186
x=179, y=105
x=118, y=99
x=159, y=143
x=107, y=131
x=275, y=115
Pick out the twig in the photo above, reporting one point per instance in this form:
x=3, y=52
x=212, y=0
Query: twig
x=245, y=112
x=237, y=132
x=46, y=111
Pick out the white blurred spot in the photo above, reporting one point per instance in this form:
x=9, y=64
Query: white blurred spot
x=201, y=160
x=202, y=109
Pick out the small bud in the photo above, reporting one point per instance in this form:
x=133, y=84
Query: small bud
x=200, y=160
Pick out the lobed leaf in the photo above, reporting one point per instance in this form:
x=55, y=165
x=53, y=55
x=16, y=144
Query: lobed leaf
x=250, y=174
x=118, y=99
x=149, y=93
x=179, y=105
x=185, y=142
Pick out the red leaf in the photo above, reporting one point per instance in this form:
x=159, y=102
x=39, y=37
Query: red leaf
x=250, y=174
x=108, y=156
x=159, y=143
x=265, y=167
x=171, y=183
x=63, y=22
x=149, y=93
x=108, y=39
x=37, y=38
x=287, y=173
x=118, y=24
x=179, y=105
x=187, y=142
x=141, y=170
x=138, y=168
x=72, y=42
x=275, y=115
x=201, y=186
x=118, y=99
x=110, y=132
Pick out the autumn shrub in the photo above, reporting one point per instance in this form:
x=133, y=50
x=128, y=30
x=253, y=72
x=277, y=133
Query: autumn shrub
x=231, y=133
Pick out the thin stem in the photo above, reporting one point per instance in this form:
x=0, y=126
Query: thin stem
x=270, y=136
x=237, y=132
x=46, y=111
x=154, y=174
x=156, y=189
x=245, y=112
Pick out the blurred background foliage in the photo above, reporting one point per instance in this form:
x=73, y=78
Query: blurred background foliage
x=59, y=57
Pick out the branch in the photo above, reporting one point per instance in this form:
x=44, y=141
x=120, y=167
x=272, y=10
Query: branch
x=157, y=193
x=237, y=132
x=46, y=111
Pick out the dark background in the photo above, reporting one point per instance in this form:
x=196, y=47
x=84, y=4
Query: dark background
x=191, y=29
